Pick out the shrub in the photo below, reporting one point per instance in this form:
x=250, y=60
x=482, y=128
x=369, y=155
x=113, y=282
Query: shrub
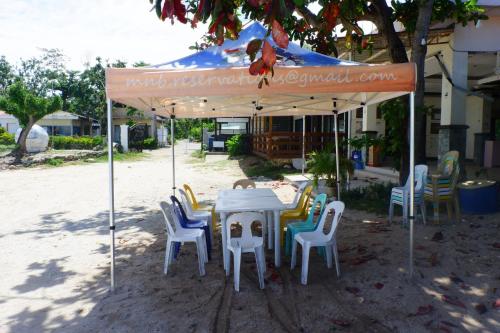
x=54, y=161
x=150, y=143
x=195, y=133
x=6, y=138
x=74, y=142
x=236, y=145
x=372, y=198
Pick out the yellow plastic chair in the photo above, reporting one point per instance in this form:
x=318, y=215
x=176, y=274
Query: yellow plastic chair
x=198, y=206
x=300, y=212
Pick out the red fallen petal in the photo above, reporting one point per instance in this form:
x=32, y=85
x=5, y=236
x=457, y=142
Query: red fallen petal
x=496, y=304
x=168, y=10
x=268, y=54
x=453, y=301
x=378, y=285
x=341, y=322
x=423, y=310
x=280, y=36
x=352, y=290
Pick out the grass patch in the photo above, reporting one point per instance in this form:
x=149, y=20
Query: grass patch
x=119, y=157
x=373, y=198
x=55, y=162
x=7, y=148
x=201, y=154
x=267, y=169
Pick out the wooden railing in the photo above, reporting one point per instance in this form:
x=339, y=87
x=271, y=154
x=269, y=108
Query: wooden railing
x=287, y=145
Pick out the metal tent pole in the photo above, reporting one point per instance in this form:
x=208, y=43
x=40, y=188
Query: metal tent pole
x=412, y=175
x=337, y=156
x=303, y=144
x=111, y=191
x=172, y=127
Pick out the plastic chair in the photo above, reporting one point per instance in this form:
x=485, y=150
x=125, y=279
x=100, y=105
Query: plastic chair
x=178, y=234
x=308, y=225
x=198, y=215
x=181, y=217
x=295, y=201
x=318, y=238
x=442, y=186
x=244, y=183
x=198, y=206
x=245, y=244
x=298, y=213
x=401, y=195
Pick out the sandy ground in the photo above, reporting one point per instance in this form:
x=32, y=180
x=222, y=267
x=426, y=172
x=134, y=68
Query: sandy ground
x=55, y=263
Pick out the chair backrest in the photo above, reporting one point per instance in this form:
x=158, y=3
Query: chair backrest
x=300, y=189
x=178, y=212
x=244, y=183
x=420, y=177
x=304, y=199
x=166, y=209
x=186, y=204
x=319, y=202
x=448, y=163
x=245, y=219
x=420, y=171
x=338, y=208
x=191, y=196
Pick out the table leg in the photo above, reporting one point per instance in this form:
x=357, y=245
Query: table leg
x=225, y=254
x=277, y=245
x=269, y=217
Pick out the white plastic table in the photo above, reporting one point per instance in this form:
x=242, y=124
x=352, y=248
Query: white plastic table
x=249, y=200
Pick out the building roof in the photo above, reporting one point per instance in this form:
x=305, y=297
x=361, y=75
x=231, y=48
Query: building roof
x=58, y=115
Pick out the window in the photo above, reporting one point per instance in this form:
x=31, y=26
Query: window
x=62, y=130
x=359, y=113
x=233, y=128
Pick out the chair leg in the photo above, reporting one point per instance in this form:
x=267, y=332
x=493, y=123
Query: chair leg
x=258, y=260
x=336, y=255
x=405, y=209
x=205, y=250
x=168, y=253
x=306, y=248
x=449, y=209
x=422, y=209
x=270, y=238
x=263, y=254
x=201, y=256
x=435, y=205
x=458, y=214
x=293, y=261
x=237, y=263
x=328, y=250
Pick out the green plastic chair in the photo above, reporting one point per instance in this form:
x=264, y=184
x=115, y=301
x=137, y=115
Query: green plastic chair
x=305, y=226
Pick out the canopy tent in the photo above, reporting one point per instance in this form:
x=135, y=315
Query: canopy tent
x=216, y=83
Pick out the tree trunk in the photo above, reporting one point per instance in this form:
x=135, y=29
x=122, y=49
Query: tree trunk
x=397, y=51
x=23, y=136
x=418, y=54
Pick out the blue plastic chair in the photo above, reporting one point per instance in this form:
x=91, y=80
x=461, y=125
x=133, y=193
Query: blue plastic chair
x=305, y=226
x=185, y=222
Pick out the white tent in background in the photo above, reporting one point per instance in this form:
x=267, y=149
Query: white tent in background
x=216, y=83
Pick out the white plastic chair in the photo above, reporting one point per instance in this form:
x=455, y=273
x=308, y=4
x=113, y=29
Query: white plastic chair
x=244, y=183
x=295, y=201
x=175, y=233
x=245, y=244
x=318, y=238
x=401, y=195
x=203, y=215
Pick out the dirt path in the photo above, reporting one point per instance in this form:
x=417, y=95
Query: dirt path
x=54, y=259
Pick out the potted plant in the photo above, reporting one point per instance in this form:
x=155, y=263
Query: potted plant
x=322, y=165
x=358, y=143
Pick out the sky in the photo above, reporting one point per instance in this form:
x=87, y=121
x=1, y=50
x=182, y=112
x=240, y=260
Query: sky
x=85, y=29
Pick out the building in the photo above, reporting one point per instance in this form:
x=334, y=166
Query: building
x=462, y=88
x=58, y=123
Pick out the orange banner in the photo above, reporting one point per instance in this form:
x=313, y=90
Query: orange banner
x=145, y=82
